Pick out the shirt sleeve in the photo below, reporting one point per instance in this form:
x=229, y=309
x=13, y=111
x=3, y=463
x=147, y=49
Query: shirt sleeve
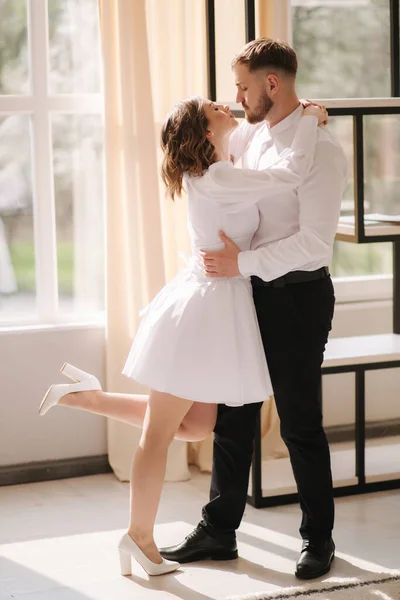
x=319, y=210
x=234, y=188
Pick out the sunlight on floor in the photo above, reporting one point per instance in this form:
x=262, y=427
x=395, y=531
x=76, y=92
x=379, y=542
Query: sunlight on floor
x=66, y=534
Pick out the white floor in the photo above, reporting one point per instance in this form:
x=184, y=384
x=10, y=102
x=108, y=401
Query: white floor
x=58, y=539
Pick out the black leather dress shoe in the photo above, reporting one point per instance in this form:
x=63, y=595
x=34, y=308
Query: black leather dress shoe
x=315, y=558
x=200, y=544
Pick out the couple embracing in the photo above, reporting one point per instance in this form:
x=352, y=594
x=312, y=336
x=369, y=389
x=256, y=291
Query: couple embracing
x=248, y=318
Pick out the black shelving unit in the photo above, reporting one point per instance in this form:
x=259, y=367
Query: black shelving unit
x=357, y=110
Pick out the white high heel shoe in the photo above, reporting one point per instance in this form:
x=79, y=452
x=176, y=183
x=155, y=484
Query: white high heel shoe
x=85, y=382
x=74, y=373
x=128, y=550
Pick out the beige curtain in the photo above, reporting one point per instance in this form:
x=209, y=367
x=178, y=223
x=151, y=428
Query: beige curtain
x=152, y=57
x=274, y=19
x=154, y=53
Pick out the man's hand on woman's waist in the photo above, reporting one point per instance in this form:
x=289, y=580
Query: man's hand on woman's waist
x=222, y=263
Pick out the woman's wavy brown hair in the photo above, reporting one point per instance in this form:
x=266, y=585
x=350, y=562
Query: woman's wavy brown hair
x=185, y=144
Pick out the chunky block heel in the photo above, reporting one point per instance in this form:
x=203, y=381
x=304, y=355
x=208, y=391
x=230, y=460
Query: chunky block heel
x=125, y=562
x=129, y=549
x=56, y=392
x=73, y=372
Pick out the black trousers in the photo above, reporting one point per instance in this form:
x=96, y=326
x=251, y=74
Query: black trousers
x=295, y=321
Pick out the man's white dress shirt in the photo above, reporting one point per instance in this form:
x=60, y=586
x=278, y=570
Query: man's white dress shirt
x=297, y=228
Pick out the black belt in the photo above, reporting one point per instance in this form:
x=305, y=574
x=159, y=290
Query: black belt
x=292, y=277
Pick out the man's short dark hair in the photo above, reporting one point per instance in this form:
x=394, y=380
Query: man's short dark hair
x=267, y=53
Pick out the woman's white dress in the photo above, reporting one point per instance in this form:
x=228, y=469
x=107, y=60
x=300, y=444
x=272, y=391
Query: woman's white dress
x=199, y=337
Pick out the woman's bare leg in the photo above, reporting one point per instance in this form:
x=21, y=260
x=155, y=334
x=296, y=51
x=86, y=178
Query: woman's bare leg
x=131, y=409
x=163, y=416
x=198, y=423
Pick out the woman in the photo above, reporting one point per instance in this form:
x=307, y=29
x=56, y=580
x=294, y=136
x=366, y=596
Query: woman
x=199, y=343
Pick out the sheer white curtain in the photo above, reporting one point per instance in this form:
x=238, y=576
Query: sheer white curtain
x=153, y=54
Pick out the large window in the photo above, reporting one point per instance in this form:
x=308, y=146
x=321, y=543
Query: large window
x=51, y=162
x=51, y=138
x=343, y=47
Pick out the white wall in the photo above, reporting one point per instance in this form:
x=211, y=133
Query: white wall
x=30, y=362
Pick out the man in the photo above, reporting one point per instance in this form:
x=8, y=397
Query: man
x=294, y=300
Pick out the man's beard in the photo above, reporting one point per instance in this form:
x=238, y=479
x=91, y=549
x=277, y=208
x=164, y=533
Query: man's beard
x=262, y=109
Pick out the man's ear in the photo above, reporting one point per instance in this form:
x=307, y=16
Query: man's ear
x=272, y=83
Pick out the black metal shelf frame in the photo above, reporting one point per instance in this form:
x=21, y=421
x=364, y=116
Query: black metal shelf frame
x=357, y=112
x=362, y=486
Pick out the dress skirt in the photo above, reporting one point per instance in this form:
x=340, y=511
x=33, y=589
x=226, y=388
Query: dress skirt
x=199, y=339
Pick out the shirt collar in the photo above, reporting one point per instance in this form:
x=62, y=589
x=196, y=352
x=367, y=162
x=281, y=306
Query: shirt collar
x=289, y=121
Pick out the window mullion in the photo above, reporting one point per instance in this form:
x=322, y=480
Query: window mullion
x=42, y=154
x=76, y=103
x=394, y=47
x=15, y=104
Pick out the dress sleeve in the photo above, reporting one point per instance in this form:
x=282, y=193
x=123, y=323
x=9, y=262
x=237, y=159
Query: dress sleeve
x=235, y=188
x=242, y=137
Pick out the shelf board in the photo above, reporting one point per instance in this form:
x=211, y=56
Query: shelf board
x=358, y=350
x=373, y=229
x=381, y=459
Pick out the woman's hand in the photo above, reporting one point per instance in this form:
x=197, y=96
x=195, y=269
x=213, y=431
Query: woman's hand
x=306, y=103
x=317, y=110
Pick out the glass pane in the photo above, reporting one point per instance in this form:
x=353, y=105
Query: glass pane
x=342, y=128
x=79, y=204
x=17, y=252
x=343, y=48
x=358, y=259
x=74, y=34
x=361, y=259
x=381, y=164
x=14, y=78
